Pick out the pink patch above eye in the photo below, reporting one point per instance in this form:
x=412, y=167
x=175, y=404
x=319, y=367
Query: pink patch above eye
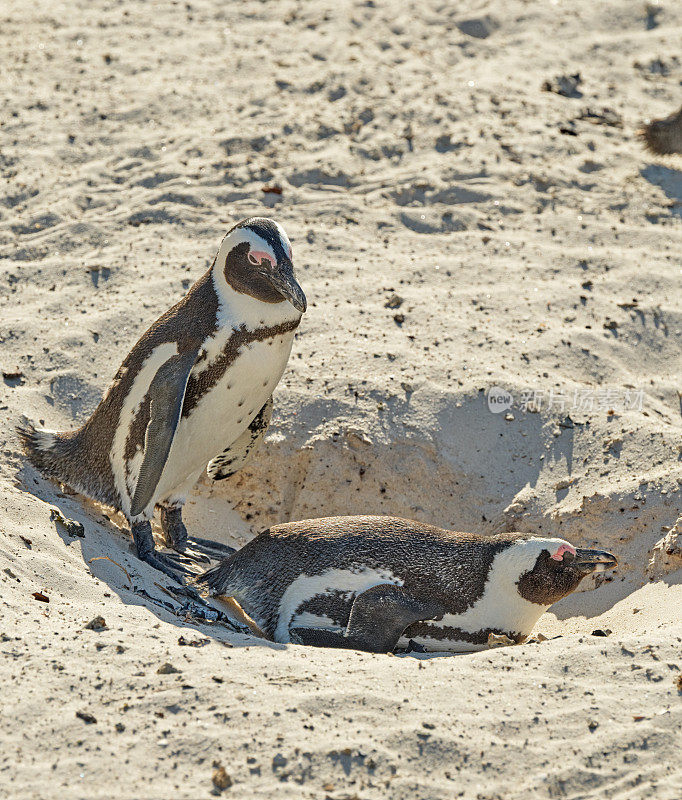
x=256, y=256
x=565, y=548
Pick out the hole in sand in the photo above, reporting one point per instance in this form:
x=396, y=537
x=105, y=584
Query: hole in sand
x=460, y=467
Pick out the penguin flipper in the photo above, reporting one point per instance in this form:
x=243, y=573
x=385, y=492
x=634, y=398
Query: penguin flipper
x=378, y=618
x=380, y=614
x=166, y=393
x=238, y=453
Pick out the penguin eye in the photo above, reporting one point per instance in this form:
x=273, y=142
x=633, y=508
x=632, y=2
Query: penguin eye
x=256, y=257
x=564, y=554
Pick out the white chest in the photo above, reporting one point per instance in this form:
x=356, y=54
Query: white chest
x=227, y=408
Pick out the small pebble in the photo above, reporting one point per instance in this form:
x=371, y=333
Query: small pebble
x=167, y=669
x=221, y=780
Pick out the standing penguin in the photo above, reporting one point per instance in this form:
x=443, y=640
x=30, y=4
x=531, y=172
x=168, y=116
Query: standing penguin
x=196, y=389
x=375, y=583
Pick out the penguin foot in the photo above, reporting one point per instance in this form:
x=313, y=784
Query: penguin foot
x=183, y=561
x=214, y=550
x=189, y=556
x=146, y=551
x=202, y=551
x=174, y=530
x=167, y=564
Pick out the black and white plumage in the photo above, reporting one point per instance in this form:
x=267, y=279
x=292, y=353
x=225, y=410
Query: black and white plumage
x=239, y=452
x=188, y=392
x=375, y=583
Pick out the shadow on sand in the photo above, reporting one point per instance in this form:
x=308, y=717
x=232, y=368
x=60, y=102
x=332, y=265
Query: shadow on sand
x=484, y=466
x=667, y=179
x=108, y=554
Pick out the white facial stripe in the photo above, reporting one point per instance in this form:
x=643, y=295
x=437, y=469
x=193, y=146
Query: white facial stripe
x=131, y=405
x=501, y=606
x=305, y=587
x=239, y=236
x=285, y=239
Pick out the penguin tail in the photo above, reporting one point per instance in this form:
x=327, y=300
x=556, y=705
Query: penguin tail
x=221, y=581
x=217, y=579
x=48, y=451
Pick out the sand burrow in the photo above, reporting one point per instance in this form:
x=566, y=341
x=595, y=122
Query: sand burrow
x=452, y=463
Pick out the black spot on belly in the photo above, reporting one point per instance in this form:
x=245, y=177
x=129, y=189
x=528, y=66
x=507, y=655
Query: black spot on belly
x=241, y=338
x=419, y=629
x=334, y=605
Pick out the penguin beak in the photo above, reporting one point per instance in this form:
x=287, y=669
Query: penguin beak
x=594, y=560
x=286, y=284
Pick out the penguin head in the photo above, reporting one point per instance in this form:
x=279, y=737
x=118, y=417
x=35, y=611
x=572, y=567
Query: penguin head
x=256, y=259
x=558, y=569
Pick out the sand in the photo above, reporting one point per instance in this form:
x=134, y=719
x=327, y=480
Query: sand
x=456, y=228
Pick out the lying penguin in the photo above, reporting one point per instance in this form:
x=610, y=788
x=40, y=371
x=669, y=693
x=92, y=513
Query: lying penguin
x=196, y=389
x=375, y=583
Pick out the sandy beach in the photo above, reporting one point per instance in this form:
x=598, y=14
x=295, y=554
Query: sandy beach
x=470, y=208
